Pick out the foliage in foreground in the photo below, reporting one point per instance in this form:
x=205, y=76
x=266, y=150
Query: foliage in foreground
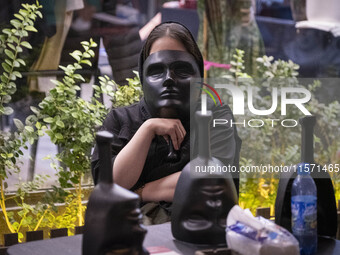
x=70, y=122
x=12, y=43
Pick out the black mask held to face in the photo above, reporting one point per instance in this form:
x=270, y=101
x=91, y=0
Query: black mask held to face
x=166, y=83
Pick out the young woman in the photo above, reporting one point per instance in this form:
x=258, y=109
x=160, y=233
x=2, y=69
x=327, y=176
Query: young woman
x=169, y=60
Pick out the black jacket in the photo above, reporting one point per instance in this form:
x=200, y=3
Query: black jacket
x=124, y=122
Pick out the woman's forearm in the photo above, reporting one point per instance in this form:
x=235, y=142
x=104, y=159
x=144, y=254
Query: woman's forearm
x=160, y=190
x=129, y=163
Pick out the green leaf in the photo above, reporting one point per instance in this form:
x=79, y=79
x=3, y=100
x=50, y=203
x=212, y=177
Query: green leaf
x=21, y=61
x=60, y=124
x=9, y=62
x=6, y=67
x=23, y=12
x=18, y=16
x=16, y=23
x=6, y=99
x=26, y=45
x=7, y=31
x=31, y=140
x=75, y=56
x=39, y=14
x=12, y=77
x=48, y=120
x=20, y=126
x=86, y=55
x=9, y=54
x=83, y=139
x=38, y=125
x=74, y=180
x=96, y=87
x=18, y=49
x=79, y=77
x=4, y=77
x=91, y=52
x=35, y=110
x=17, y=74
x=8, y=110
x=11, y=46
x=31, y=28
x=59, y=136
x=86, y=62
x=29, y=129
x=16, y=63
x=77, y=52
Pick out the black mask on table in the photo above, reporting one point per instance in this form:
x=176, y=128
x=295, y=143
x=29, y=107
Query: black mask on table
x=166, y=83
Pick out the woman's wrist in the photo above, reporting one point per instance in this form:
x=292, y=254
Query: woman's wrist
x=148, y=129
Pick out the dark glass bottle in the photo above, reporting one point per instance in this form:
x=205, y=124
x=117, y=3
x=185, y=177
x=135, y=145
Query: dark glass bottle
x=326, y=205
x=202, y=199
x=113, y=218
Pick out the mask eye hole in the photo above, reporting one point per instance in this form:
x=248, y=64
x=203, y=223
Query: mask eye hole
x=183, y=69
x=155, y=70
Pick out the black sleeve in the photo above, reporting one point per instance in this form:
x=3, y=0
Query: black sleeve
x=121, y=134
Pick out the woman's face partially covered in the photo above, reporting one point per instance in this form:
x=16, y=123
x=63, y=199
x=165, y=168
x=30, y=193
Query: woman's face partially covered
x=167, y=74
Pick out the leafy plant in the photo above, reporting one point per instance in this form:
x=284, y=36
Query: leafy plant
x=11, y=45
x=128, y=94
x=70, y=122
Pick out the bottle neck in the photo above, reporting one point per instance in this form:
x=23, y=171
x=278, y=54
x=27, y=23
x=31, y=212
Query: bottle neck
x=203, y=123
x=103, y=140
x=307, y=139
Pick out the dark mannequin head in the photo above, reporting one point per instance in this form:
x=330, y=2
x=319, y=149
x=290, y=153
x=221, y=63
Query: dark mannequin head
x=169, y=60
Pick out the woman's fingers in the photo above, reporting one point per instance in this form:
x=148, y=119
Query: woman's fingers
x=182, y=130
x=175, y=140
x=169, y=127
x=178, y=134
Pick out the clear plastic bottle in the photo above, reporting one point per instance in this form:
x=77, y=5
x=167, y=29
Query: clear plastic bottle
x=304, y=210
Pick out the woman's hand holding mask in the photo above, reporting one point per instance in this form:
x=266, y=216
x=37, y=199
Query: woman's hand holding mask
x=172, y=128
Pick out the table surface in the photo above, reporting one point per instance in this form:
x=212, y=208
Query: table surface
x=158, y=235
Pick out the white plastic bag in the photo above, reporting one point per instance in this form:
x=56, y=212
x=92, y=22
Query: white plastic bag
x=258, y=236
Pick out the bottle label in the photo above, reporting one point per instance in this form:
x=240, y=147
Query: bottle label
x=304, y=215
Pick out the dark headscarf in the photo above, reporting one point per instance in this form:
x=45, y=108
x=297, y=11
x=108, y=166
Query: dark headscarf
x=184, y=36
